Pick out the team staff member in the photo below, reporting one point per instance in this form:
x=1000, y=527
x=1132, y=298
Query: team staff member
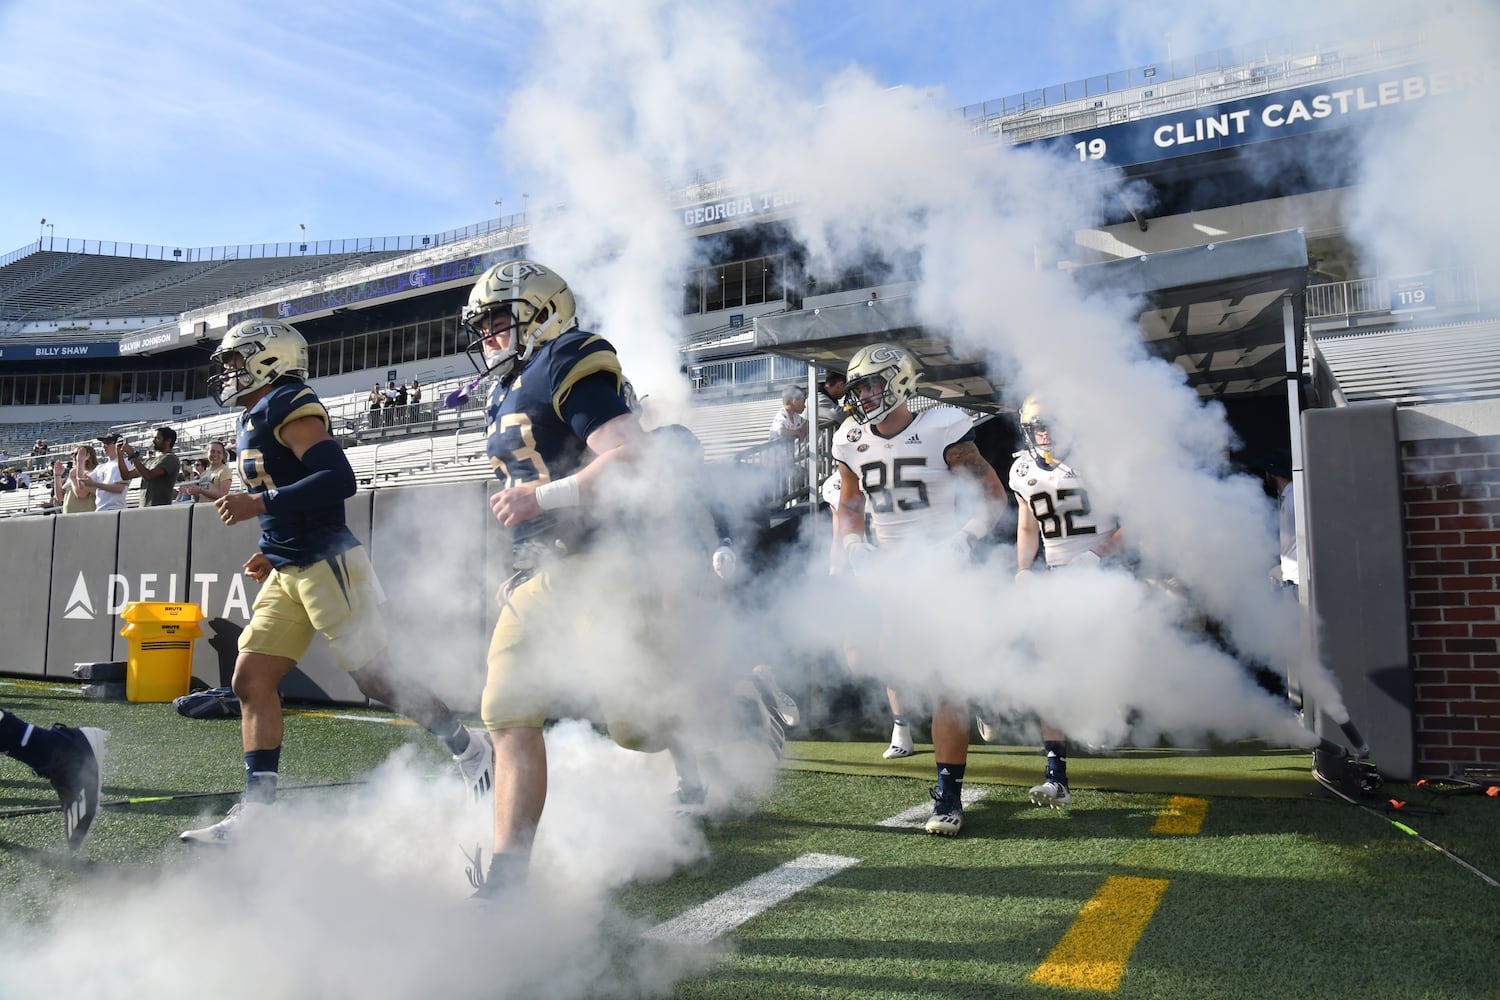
x=906, y=466
x=315, y=574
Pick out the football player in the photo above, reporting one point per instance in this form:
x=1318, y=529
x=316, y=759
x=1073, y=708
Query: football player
x=1055, y=513
x=558, y=416
x=314, y=573
x=905, y=467
x=71, y=759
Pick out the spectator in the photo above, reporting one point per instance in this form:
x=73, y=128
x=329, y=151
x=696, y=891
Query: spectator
x=388, y=404
x=71, y=488
x=402, y=416
x=789, y=421
x=108, y=483
x=415, y=399
x=214, y=481
x=377, y=401
x=7, y=481
x=23, y=478
x=831, y=410
x=159, y=475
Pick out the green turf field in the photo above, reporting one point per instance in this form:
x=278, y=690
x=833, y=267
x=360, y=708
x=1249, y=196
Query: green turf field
x=1176, y=874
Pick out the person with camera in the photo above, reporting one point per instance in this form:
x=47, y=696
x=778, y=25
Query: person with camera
x=72, y=490
x=158, y=475
x=107, y=478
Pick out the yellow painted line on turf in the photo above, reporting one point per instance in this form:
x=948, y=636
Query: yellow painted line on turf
x=1183, y=815
x=389, y=721
x=1092, y=955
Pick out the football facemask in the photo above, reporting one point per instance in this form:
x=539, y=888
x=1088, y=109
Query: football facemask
x=881, y=377
x=253, y=354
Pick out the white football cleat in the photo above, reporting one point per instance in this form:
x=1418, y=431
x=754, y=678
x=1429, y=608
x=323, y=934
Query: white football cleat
x=1052, y=793
x=230, y=827
x=477, y=764
x=901, y=745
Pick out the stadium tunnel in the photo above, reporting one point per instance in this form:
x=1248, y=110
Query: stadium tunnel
x=1232, y=316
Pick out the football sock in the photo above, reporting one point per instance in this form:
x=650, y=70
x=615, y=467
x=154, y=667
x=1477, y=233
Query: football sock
x=37, y=748
x=506, y=871
x=452, y=732
x=1057, y=761
x=950, y=781
x=261, y=768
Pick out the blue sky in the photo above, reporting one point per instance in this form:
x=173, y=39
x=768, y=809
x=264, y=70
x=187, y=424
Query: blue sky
x=227, y=122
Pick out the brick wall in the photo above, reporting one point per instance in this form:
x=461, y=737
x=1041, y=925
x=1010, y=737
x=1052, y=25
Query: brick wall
x=1451, y=508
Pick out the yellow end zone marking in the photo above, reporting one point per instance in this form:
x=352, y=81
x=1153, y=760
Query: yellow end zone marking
x=1182, y=815
x=1092, y=955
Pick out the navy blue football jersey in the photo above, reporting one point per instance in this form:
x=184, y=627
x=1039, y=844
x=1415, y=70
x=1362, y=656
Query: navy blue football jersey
x=537, y=425
x=265, y=462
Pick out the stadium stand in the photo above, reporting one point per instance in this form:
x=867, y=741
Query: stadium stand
x=86, y=286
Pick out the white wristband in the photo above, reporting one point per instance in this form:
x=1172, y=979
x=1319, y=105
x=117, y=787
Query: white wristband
x=558, y=493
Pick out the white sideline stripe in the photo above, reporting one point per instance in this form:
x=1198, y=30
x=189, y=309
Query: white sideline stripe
x=917, y=816
x=729, y=910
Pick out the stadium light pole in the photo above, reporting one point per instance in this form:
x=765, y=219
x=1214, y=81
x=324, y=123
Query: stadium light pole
x=498, y=213
x=525, y=205
x=40, y=226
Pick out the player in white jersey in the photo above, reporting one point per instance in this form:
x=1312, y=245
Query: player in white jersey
x=1055, y=513
x=905, y=467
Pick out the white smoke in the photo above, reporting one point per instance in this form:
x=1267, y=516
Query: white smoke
x=621, y=100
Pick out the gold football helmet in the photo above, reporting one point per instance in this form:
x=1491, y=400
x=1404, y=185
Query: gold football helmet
x=255, y=353
x=522, y=297
x=886, y=374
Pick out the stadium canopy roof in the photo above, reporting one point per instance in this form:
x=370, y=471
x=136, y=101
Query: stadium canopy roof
x=1220, y=312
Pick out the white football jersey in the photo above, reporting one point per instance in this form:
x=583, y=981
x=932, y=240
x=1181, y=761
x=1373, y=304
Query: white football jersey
x=1057, y=497
x=909, y=490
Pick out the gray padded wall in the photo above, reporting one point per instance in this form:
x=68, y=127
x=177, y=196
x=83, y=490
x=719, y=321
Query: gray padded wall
x=428, y=554
x=221, y=589
x=1358, y=587
x=151, y=563
x=218, y=557
x=85, y=592
x=27, y=544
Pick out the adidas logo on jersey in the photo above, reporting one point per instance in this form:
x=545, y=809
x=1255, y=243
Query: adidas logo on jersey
x=914, y=439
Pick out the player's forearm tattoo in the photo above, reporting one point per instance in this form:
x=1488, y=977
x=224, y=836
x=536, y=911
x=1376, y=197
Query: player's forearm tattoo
x=965, y=455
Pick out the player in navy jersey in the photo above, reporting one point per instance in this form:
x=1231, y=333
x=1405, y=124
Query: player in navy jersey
x=559, y=418
x=560, y=398
x=314, y=573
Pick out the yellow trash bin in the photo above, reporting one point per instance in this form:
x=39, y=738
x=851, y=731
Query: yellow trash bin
x=159, y=661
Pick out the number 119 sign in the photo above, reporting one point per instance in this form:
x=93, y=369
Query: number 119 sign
x=1412, y=293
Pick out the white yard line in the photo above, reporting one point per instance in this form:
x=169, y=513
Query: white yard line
x=917, y=816
x=729, y=910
